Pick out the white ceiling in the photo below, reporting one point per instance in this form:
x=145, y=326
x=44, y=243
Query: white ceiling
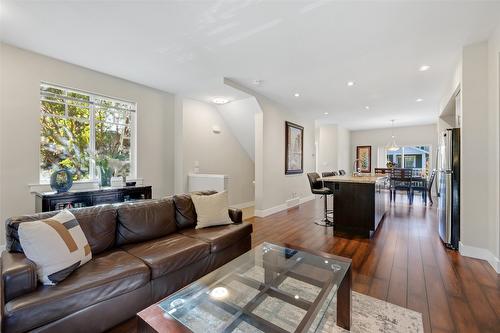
x=310, y=47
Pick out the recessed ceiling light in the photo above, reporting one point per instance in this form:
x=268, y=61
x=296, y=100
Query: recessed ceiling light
x=424, y=68
x=350, y=83
x=220, y=100
x=296, y=94
x=367, y=107
x=326, y=113
x=419, y=100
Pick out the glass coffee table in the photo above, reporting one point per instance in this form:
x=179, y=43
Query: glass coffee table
x=271, y=288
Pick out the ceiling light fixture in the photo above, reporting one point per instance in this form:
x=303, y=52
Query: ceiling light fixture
x=296, y=95
x=392, y=145
x=424, y=68
x=326, y=113
x=220, y=100
x=367, y=107
x=418, y=100
x=350, y=83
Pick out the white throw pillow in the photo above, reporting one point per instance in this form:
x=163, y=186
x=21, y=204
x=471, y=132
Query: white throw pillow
x=211, y=209
x=56, y=245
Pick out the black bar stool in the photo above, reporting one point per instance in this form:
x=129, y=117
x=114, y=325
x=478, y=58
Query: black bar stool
x=317, y=187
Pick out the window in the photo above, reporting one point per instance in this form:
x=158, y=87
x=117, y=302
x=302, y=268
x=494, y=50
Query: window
x=415, y=157
x=85, y=133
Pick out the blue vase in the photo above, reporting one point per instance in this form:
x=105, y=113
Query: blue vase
x=61, y=180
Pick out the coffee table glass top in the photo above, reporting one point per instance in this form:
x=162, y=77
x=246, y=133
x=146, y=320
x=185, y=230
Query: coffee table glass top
x=268, y=289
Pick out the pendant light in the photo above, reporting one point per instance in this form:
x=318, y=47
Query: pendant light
x=392, y=145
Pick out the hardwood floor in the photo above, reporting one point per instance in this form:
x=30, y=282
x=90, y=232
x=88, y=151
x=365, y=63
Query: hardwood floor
x=404, y=263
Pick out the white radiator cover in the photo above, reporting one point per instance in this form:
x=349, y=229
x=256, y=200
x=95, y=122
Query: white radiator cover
x=202, y=182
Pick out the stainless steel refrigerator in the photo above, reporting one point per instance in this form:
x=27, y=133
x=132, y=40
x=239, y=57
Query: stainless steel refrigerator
x=449, y=187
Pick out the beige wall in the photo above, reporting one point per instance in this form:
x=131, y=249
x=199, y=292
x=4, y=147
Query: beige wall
x=405, y=136
x=21, y=73
x=216, y=153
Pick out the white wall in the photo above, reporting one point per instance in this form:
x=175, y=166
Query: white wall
x=327, y=148
x=344, y=158
x=216, y=153
x=478, y=77
x=405, y=136
x=494, y=142
x=334, y=148
x=239, y=116
x=278, y=187
x=272, y=187
x=21, y=73
x=474, y=186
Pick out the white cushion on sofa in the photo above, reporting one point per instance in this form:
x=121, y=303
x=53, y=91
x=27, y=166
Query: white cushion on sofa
x=211, y=209
x=56, y=245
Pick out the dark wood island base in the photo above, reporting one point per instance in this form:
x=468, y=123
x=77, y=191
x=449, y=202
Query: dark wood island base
x=360, y=203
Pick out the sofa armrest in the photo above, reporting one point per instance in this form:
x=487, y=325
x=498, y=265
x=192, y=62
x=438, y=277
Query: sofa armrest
x=18, y=275
x=236, y=215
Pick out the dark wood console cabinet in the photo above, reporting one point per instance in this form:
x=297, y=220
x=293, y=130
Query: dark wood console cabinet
x=49, y=201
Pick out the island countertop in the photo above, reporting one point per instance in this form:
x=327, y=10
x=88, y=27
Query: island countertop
x=353, y=179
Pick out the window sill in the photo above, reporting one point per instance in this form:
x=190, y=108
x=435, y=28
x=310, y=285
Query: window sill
x=81, y=185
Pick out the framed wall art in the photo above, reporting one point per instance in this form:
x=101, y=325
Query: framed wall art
x=294, y=148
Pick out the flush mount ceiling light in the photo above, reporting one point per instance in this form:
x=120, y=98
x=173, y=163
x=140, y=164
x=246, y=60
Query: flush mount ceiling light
x=350, y=83
x=220, y=100
x=392, y=145
x=326, y=113
x=424, y=68
x=296, y=95
x=367, y=107
x=418, y=100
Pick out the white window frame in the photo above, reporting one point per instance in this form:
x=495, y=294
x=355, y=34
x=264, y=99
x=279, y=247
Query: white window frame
x=92, y=123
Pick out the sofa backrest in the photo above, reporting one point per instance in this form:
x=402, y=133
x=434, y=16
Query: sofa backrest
x=142, y=221
x=98, y=224
x=185, y=213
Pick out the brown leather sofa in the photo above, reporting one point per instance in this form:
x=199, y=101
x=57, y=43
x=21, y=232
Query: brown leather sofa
x=141, y=252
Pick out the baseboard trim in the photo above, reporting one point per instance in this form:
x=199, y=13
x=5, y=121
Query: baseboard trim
x=243, y=205
x=279, y=208
x=480, y=253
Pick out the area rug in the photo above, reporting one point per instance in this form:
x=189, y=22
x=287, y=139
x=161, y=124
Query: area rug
x=373, y=315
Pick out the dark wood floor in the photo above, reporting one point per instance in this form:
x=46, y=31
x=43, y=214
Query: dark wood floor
x=404, y=263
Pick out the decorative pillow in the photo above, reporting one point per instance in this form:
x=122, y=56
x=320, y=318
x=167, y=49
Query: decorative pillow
x=211, y=209
x=56, y=245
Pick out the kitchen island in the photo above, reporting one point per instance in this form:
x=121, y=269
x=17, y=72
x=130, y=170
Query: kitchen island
x=360, y=203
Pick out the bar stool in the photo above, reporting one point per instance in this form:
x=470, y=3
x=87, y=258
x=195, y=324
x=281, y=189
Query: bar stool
x=317, y=187
x=342, y=172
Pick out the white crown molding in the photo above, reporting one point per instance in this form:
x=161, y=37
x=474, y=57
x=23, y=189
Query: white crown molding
x=480, y=253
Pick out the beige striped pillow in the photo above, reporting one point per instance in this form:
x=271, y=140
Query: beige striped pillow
x=56, y=245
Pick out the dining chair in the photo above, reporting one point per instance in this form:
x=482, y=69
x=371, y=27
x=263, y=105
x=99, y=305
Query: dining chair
x=424, y=186
x=401, y=180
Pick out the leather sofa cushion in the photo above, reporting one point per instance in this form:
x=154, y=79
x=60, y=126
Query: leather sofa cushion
x=185, y=213
x=19, y=275
x=169, y=254
x=220, y=237
x=98, y=224
x=106, y=276
x=142, y=221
